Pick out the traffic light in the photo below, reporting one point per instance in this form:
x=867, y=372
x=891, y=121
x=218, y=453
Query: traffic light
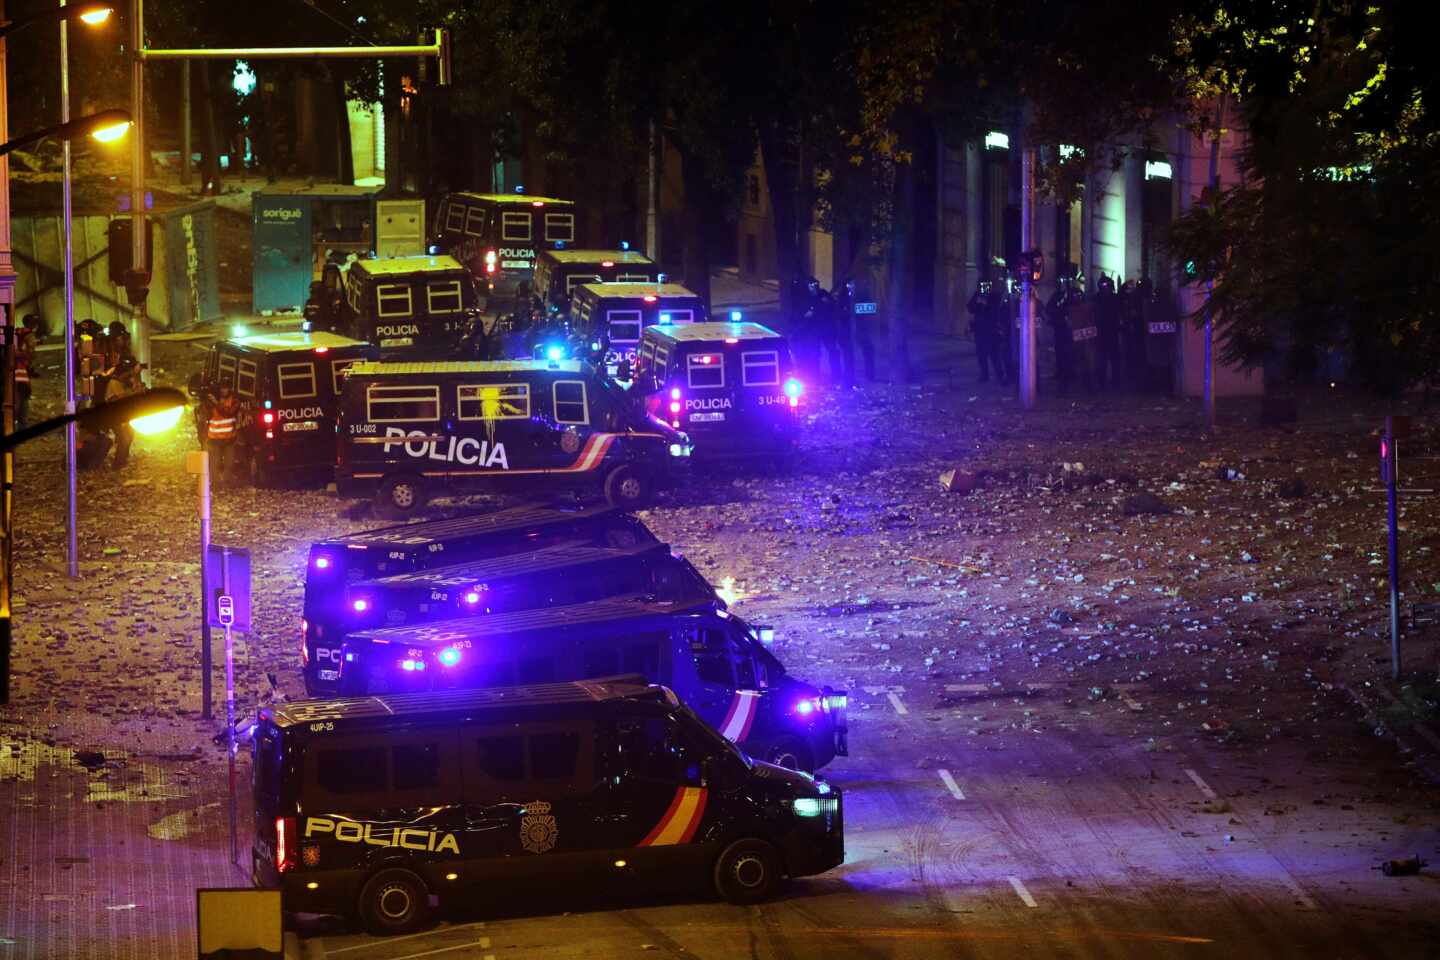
x=121, y=257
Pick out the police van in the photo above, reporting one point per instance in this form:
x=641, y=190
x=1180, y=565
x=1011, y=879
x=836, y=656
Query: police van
x=412, y=430
x=729, y=386
x=559, y=272
x=609, y=317
x=369, y=807
x=412, y=307
x=713, y=659
x=336, y=563
x=497, y=235
x=288, y=385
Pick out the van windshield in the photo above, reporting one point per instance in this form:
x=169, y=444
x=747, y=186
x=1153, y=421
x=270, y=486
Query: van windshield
x=701, y=730
x=772, y=665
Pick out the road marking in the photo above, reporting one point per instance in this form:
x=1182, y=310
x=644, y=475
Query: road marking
x=1022, y=893
x=1041, y=685
x=951, y=785
x=1300, y=895
x=1132, y=704
x=966, y=687
x=895, y=702
x=410, y=936
x=1204, y=787
x=483, y=943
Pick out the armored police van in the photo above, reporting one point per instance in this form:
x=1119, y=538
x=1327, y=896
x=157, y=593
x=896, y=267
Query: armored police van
x=608, y=317
x=497, y=235
x=411, y=307
x=729, y=386
x=288, y=385
x=334, y=564
x=412, y=430
x=369, y=807
x=559, y=272
x=713, y=659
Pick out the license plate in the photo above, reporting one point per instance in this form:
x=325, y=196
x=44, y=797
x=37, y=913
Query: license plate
x=301, y=425
x=398, y=342
x=328, y=674
x=515, y=264
x=706, y=417
x=1162, y=327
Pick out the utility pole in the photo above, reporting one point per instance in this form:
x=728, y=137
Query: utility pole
x=185, y=145
x=7, y=374
x=139, y=269
x=1028, y=370
x=72, y=548
x=652, y=195
x=1210, y=284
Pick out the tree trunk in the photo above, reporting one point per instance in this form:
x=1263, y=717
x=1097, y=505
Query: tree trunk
x=900, y=279
x=210, y=164
x=344, y=149
x=781, y=180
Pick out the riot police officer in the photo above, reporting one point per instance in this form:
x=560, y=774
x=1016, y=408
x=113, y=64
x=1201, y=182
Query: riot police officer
x=1107, y=316
x=1057, y=314
x=980, y=327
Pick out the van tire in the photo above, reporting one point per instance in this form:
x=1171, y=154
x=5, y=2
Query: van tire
x=628, y=488
x=749, y=871
x=400, y=497
x=790, y=753
x=394, y=901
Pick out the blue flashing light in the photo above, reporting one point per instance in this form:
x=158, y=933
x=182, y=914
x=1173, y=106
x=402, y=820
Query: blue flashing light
x=665, y=318
x=267, y=404
x=822, y=787
x=305, y=326
x=805, y=707
x=794, y=388
x=349, y=657
x=449, y=657
x=472, y=597
x=360, y=605
x=412, y=666
x=735, y=316
x=554, y=353
x=594, y=344
x=432, y=249
x=519, y=188
x=624, y=244
x=322, y=563
x=559, y=244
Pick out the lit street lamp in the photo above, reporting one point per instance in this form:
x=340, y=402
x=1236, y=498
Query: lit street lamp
x=104, y=126
x=91, y=13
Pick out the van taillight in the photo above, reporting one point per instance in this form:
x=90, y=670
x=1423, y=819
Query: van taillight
x=284, y=843
x=304, y=650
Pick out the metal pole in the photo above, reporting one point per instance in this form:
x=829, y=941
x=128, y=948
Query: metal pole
x=7, y=390
x=203, y=480
x=1027, y=292
x=1210, y=285
x=185, y=145
x=652, y=193
x=1390, y=497
x=72, y=550
x=229, y=700
x=137, y=173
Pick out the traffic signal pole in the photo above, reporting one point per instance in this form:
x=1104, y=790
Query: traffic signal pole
x=1028, y=367
x=1389, y=462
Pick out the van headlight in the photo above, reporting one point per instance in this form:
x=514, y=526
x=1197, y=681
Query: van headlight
x=815, y=806
x=679, y=449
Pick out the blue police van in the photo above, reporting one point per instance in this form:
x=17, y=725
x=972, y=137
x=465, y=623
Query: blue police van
x=713, y=659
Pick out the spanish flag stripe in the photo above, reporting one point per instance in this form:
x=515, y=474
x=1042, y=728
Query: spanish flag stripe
x=594, y=452
x=660, y=827
x=695, y=818
x=680, y=821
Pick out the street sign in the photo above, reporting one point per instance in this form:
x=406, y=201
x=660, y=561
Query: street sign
x=227, y=572
x=864, y=307
x=225, y=610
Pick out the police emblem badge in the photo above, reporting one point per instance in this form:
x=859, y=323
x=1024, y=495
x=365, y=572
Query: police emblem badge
x=570, y=440
x=538, y=831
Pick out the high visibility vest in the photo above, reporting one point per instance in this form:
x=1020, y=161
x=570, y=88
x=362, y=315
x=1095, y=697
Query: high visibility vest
x=221, y=428
x=22, y=373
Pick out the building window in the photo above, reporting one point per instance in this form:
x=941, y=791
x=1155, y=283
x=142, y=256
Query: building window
x=495, y=401
x=444, y=297
x=560, y=226
x=393, y=299
x=402, y=404
x=245, y=382
x=760, y=368
x=570, y=405
x=297, y=380
x=514, y=226
x=705, y=369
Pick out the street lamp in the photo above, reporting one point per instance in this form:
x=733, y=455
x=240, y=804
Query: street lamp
x=104, y=126
x=91, y=13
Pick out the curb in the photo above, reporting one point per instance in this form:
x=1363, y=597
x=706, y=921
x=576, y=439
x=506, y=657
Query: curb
x=1428, y=762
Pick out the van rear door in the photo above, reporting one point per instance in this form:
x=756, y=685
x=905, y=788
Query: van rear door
x=274, y=795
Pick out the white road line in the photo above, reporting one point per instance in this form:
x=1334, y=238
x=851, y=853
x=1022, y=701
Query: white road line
x=951, y=785
x=483, y=943
x=1132, y=704
x=1041, y=685
x=966, y=687
x=1301, y=896
x=429, y=933
x=1204, y=787
x=1022, y=893
x=895, y=702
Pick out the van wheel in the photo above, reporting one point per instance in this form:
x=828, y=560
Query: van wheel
x=747, y=872
x=790, y=753
x=400, y=497
x=394, y=901
x=628, y=487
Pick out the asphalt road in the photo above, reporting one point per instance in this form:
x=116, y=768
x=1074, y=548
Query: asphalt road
x=1063, y=836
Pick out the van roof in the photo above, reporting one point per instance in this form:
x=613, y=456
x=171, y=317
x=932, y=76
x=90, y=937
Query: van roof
x=560, y=555
x=596, y=256
x=374, y=368
x=319, y=190
x=511, y=199
x=612, y=609
x=621, y=291
x=454, y=528
x=279, y=342
x=713, y=330
x=394, y=266
x=303, y=712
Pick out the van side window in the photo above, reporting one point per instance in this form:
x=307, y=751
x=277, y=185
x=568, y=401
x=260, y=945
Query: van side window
x=444, y=297
x=515, y=225
x=297, y=380
x=760, y=368
x=501, y=758
x=392, y=299
x=705, y=369
x=475, y=221
x=226, y=372
x=554, y=756
x=402, y=404
x=359, y=770
x=560, y=226
x=712, y=656
x=493, y=401
x=570, y=405
x=677, y=316
x=662, y=363
x=624, y=325
x=647, y=748
x=455, y=216
x=415, y=766
x=338, y=369
x=245, y=380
